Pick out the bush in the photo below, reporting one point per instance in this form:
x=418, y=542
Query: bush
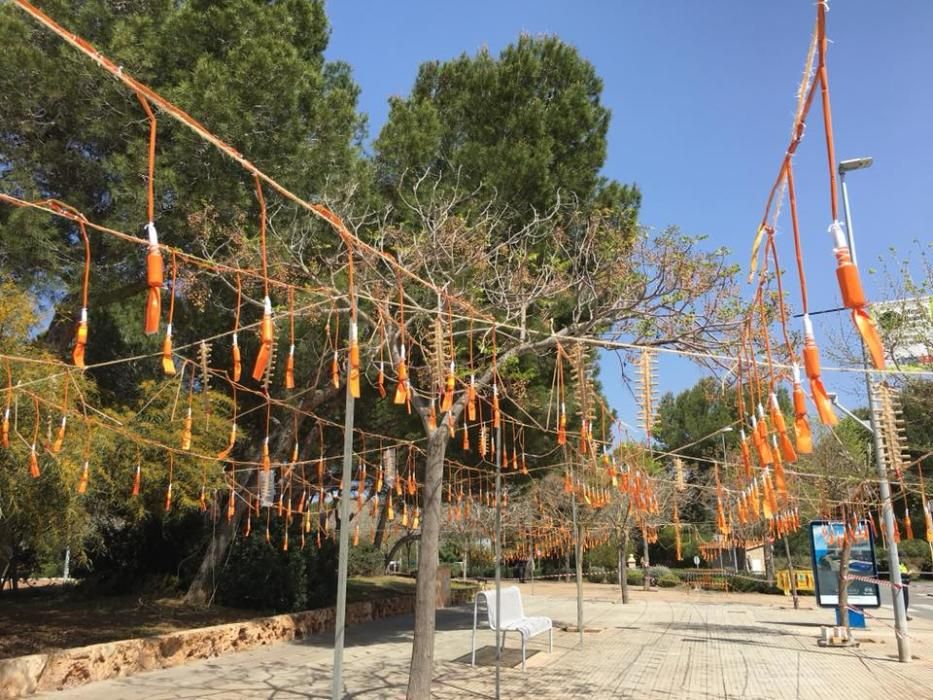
x=748, y=584
x=481, y=563
x=157, y=555
x=596, y=574
x=635, y=577
x=604, y=556
x=261, y=576
x=659, y=572
x=449, y=552
x=365, y=560
x=668, y=580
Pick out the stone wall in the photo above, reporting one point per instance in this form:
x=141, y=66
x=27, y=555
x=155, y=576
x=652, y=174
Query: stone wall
x=24, y=675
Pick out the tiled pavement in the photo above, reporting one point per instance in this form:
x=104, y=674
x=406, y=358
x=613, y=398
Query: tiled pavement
x=664, y=644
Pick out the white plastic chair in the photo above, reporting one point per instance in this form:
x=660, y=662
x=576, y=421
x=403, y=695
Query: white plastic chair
x=513, y=620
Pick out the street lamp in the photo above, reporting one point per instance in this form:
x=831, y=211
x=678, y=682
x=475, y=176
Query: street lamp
x=722, y=432
x=884, y=487
x=834, y=400
x=855, y=164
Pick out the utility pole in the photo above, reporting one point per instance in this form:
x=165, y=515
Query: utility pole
x=498, y=548
x=578, y=562
x=344, y=535
x=884, y=486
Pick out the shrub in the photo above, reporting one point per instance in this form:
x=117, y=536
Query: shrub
x=450, y=552
x=668, y=581
x=596, y=574
x=748, y=584
x=659, y=572
x=635, y=577
x=604, y=556
x=263, y=577
x=481, y=563
x=365, y=560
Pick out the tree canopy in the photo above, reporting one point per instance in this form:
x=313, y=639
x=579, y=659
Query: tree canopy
x=527, y=126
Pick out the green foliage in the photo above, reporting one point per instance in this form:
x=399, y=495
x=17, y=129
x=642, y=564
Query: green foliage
x=138, y=555
x=669, y=580
x=41, y=517
x=917, y=405
x=526, y=126
x=481, y=563
x=605, y=556
x=254, y=72
x=366, y=560
x=261, y=576
x=450, y=552
x=656, y=572
x=747, y=583
x=694, y=414
x=915, y=553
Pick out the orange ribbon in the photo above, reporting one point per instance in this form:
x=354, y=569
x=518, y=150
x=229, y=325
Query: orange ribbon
x=853, y=296
x=154, y=279
x=266, y=338
x=811, y=363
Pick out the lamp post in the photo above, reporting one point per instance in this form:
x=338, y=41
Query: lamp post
x=722, y=433
x=884, y=487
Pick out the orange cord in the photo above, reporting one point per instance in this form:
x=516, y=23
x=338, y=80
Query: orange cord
x=823, y=77
x=187, y=120
x=262, y=233
x=150, y=179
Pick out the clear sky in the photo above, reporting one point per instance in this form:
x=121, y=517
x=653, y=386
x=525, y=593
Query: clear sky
x=702, y=96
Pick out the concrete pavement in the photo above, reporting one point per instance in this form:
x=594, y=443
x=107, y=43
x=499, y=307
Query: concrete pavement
x=920, y=602
x=664, y=644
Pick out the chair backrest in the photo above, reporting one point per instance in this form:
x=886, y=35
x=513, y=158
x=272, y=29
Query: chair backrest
x=511, y=602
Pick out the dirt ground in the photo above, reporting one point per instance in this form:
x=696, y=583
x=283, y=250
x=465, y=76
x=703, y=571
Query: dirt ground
x=47, y=615
x=51, y=617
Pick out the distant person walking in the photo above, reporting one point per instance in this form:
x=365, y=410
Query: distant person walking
x=905, y=581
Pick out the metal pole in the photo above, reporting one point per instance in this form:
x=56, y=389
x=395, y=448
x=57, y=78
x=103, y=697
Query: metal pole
x=578, y=557
x=884, y=487
x=725, y=469
x=498, y=552
x=341, y=610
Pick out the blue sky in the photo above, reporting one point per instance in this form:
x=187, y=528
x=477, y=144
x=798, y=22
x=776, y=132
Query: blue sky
x=702, y=96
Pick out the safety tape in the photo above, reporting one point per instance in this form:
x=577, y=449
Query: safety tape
x=878, y=581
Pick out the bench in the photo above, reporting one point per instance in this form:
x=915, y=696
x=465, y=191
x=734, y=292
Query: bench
x=513, y=619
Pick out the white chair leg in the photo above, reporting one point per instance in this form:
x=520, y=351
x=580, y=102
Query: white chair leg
x=550, y=640
x=523, y=652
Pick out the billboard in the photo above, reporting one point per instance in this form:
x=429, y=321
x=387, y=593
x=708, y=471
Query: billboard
x=826, y=550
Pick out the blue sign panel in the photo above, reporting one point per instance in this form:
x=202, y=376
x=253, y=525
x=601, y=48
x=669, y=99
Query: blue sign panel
x=826, y=539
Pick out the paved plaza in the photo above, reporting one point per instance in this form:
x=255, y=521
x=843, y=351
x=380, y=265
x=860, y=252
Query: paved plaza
x=664, y=644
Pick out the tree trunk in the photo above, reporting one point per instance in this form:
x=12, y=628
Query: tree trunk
x=644, y=538
x=769, y=558
x=404, y=541
x=201, y=590
x=379, y=539
x=422, y=653
x=844, y=585
x=623, y=566
x=790, y=572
